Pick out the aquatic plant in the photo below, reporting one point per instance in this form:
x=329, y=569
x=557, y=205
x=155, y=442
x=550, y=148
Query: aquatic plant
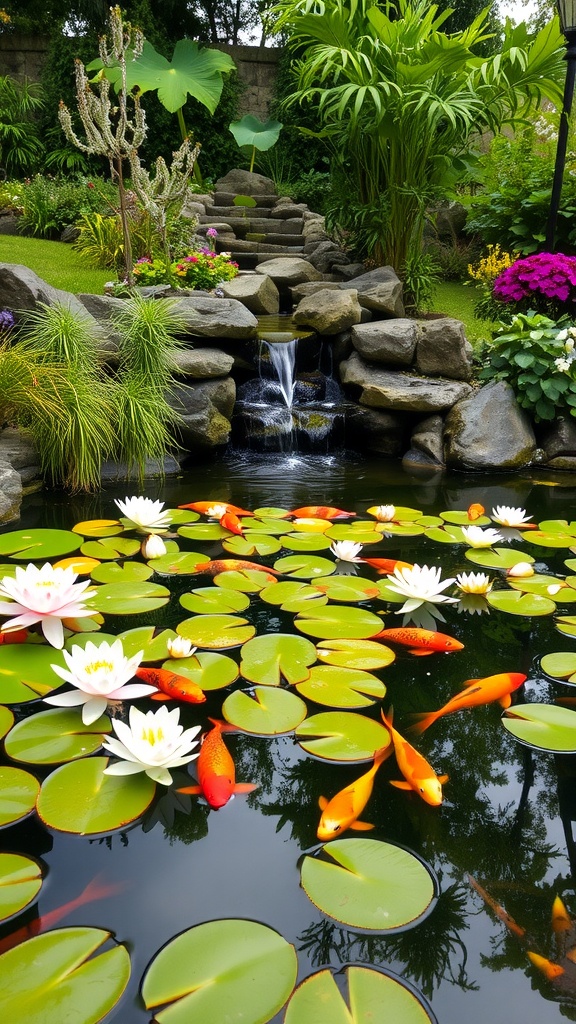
x=45, y=596
x=152, y=743
x=99, y=674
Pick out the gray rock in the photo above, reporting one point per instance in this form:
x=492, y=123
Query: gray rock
x=327, y=256
x=255, y=291
x=428, y=440
x=21, y=289
x=111, y=472
x=384, y=389
x=205, y=410
x=192, y=209
x=203, y=363
x=287, y=208
x=450, y=219
x=10, y=492
x=560, y=440
x=489, y=430
x=387, y=341
x=374, y=431
x=70, y=233
x=288, y=271
x=18, y=451
x=301, y=291
x=350, y=270
x=245, y=183
x=9, y=224
x=329, y=312
x=380, y=290
x=443, y=350
x=208, y=317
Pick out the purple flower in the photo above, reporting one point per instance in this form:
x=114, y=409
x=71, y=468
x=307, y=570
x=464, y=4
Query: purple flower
x=546, y=274
x=211, y=233
x=6, y=320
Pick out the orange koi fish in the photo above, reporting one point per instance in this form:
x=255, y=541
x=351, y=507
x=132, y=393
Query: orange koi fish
x=420, y=641
x=549, y=969
x=475, y=693
x=13, y=636
x=385, y=566
x=419, y=776
x=498, y=909
x=475, y=511
x=93, y=891
x=203, y=506
x=171, y=685
x=561, y=920
x=320, y=512
x=215, y=769
x=230, y=521
x=343, y=810
x=219, y=565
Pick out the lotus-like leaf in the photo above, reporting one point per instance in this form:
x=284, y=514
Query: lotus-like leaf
x=271, y=526
x=219, y=965
x=47, y=978
x=270, y=659
x=542, y=727
x=25, y=672
x=372, y=996
x=210, y=671
x=305, y=567
x=497, y=558
x=561, y=665
x=247, y=581
x=6, y=720
x=110, y=548
x=252, y=544
x=250, y=131
x=264, y=711
x=128, y=572
x=79, y=798
x=342, y=687
x=342, y=736
x=300, y=541
x=566, y=624
x=364, y=654
x=38, y=545
x=402, y=513
x=292, y=596
x=18, y=793
x=340, y=623
x=447, y=534
x=178, y=563
x=216, y=631
x=356, y=531
x=98, y=528
x=271, y=512
x=203, y=531
x=55, y=736
x=214, y=600
x=80, y=564
x=372, y=885
x=461, y=518
x=20, y=883
x=516, y=603
x=348, y=589
x=180, y=516
x=551, y=538
x=129, y=598
x=400, y=529
x=427, y=521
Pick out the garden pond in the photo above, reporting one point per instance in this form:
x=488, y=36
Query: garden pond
x=437, y=907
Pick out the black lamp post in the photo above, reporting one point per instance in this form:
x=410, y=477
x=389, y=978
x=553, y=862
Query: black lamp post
x=567, y=15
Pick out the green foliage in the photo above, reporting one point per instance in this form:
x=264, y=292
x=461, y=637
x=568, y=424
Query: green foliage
x=454, y=257
x=420, y=274
x=50, y=204
x=101, y=243
x=11, y=196
x=311, y=187
x=535, y=355
x=201, y=270
x=21, y=145
x=252, y=134
x=55, y=262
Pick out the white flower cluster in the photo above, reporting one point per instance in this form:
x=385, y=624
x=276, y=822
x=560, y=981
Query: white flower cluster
x=564, y=363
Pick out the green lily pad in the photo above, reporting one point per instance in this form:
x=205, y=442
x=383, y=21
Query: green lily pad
x=303, y=567
x=566, y=624
x=110, y=548
x=347, y=588
x=400, y=529
x=372, y=885
x=516, y=603
x=570, y=563
x=427, y=521
x=550, y=538
x=342, y=736
x=292, y=596
x=342, y=687
x=179, y=516
x=128, y=572
x=252, y=544
x=561, y=665
x=129, y=598
x=210, y=600
x=497, y=558
x=153, y=642
x=461, y=518
x=203, y=532
x=540, y=584
x=80, y=799
x=270, y=659
x=55, y=736
x=264, y=711
x=271, y=512
x=561, y=526
x=98, y=528
x=364, y=654
x=219, y=972
x=306, y=542
x=247, y=581
x=331, y=623
x=178, y=563
x=271, y=526
x=18, y=793
x=25, y=672
x=38, y=545
x=20, y=883
x=208, y=670
x=6, y=720
x=542, y=726
x=46, y=979
x=447, y=534
x=356, y=531
x=372, y=996
x=216, y=631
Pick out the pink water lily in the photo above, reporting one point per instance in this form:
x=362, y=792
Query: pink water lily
x=45, y=595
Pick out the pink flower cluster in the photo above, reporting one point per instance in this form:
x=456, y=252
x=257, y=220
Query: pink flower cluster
x=546, y=274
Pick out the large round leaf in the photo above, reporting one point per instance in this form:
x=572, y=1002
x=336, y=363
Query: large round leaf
x=546, y=586
x=208, y=670
x=18, y=793
x=402, y=513
x=311, y=525
x=271, y=512
x=38, y=545
x=216, y=631
x=264, y=711
x=111, y=548
x=221, y=972
x=246, y=581
x=129, y=598
x=178, y=563
x=127, y=572
x=412, y=529
x=497, y=558
x=79, y=564
x=152, y=643
x=516, y=603
x=566, y=624
x=332, y=623
x=347, y=588
x=357, y=531
x=55, y=736
x=446, y=534
x=98, y=528
x=372, y=885
x=306, y=542
x=342, y=687
x=305, y=567
x=542, y=726
x=342, y=736
x=252, y=544
x=183, y=515
x=548, y=538
x=79, y=798
x=210, y=600
x=372, y=996
x=6, y=720
x=20, y=883
x=270, y=659
x=365, y=654
x=561, y=665
x=203, y=531
x=461, y=518
x=54, y=978
x=271, y=525
x=292, y=596
x=25, y=672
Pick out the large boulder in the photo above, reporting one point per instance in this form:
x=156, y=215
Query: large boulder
x=387, y=341
x=374, y=431
x=488, y=430
x=559, y=444
x=245, y=183
x=255, y=291
x=329, y=312
x=443, y=350
x=203, y=363
x=205, y=411
x=427, y=442
x=385, y=389
x=380, y=290
x=19, y=452
x=208, y=317
x=21, y=290
x=10, y=492
x=288, y=271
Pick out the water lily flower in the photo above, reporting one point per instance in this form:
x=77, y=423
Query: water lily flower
x=504, y=515
x=153, y=743
x=100, y=673
x=385, y=513
x=346, y=550
x=420, y=585
x=145, y=515
x=473, y=604
x=45, y=595
x=216, y=511
x=474, y=583
x=153, y=546
x=476, y=537
x=520, y=569
x=180, y=647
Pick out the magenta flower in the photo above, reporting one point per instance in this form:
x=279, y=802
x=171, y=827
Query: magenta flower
x=543, y=276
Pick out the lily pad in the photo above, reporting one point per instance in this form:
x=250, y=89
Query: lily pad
x=364, y=654
x=221, y=972
x=357, y=531
x=81, y=565
x=129, y=598
x=98, y=528
x=497, y=558
x=342, y=687
x=179, y=516
x=210, y=600
x=400, y=529
x=272, y=526
x=153, y=642
x=566, y=624
x=271, y=512
x=55, y=736
x=372, y=996
x=551, y=538
x=292, y=596
x=216, y=631
x=6, y=720
x=461, y=518
x=331, y=623
x=546, y=586
x=20, y=883
x=203, y=532
x=447, y=534
x=47, y=978
x=25, y=672
x=247, y=581
x=270, y=659
x=208, y=670
x=305, y=567
x=372, y=885
x=342, y=736
x=542, y=726
x=110, y=548
x=306, y=542
x=80, y=799
x=347, y=588
x=252, y=544
x=18, y=793
x=38, y=545
x=515, y=603
x=128, y=572
x=178, y=563
x=561, y=665
x=311, y=525
x=264, y=711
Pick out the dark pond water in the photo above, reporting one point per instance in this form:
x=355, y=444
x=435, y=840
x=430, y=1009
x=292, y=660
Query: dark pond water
x=507, y=816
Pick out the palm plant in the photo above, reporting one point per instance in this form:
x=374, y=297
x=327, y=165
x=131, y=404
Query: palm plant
x=20, y=143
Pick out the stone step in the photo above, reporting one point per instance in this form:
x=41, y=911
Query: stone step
x=227, y=199
x=249, y=260
x=225, y=212
x=241, y=245
x=243, y=224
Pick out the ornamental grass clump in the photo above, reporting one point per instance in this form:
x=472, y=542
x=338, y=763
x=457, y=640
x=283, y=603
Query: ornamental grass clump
x=544, y=282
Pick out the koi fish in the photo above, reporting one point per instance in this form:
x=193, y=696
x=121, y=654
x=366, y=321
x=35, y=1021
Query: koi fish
x=230, y=521
x=419, y=776
x=203, y=506
x=420, y=641
x=561, y=920
x=475, y=511
x=218, y=565
x=13, y=636
x=215, y=769
x=93, y=891
x=549, y=969
x=499, y=910
x=386, y=566
x=171, y=685
x=320, y=512
x=343, y=810
x=475, y=693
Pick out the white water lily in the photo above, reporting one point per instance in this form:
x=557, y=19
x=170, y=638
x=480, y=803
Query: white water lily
x=145, y=515
x=476, y=537
x=45, y=595
x=216, y=511
x=99, y=673
x=520, y=569
x=474, y=583
x=385, y=513
x=504, y=515
x=153, y=546
x=180, y=647
x=153, y=743
x=420, y=585
x=346, y=550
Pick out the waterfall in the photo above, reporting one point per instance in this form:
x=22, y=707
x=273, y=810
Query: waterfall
x=283, y=358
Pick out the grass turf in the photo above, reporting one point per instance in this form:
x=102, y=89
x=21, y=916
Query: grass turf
x=55, y=262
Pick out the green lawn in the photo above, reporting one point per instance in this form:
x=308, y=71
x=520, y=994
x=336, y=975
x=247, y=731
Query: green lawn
x=458, y=300
x=55, y=262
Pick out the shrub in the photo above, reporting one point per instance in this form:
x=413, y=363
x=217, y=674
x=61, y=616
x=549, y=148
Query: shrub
x=51, y=204
x=484, y=274
x=545, y=282
x=204, y=269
